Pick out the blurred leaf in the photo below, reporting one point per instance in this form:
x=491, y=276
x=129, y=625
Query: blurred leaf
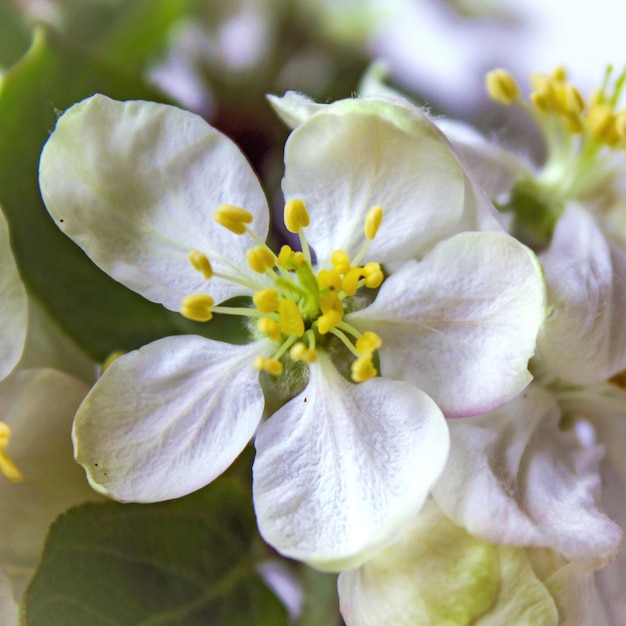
x=98, y=313
x=14, y=35
x=321, y=604
x=184, y=562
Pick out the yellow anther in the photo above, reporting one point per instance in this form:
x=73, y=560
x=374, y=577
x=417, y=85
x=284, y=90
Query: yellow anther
x=373, y=220
x=574, y=123
x=201, y=263
x=351, y=280
x=559, y=74
x=266, y=300
x=601, y=123
x=261, y=259
x=271, y=366
x=291, y=321
x=296, y=215
x=368, y=342
x=299, y=352
x=363, y=369
x=574, y=102
x=7, y=466
x=373, y=275
x=114, y=356
x=329, y=279
x=541, y=100
x=620, y=124
x=341, y=261
x=328, y=321
x=197, y=307
x=269, y=327
x=501, y=86
x=290, y=260
x=330, y=302
x=233, y=217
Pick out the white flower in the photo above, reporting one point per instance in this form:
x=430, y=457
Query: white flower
x=135, y=185
x=512, y=534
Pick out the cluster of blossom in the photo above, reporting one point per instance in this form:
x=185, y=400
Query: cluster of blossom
x=406, y=447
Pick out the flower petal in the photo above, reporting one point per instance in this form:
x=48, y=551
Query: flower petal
x=583, y=340
x=355, y=154
x=341, y=466
x=168, y=418
x=515, y=478
x=436, y=573
x=135, y=184
x=39, y=406
x=294, y=108
x=461, y=324
x=13, y=307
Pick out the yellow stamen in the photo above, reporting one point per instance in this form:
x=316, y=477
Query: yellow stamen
x=291, y=321
x=363, y=369
x=290, y=260
x=233, y=218
x=341, y=261
x=266, y=300
x=299, y=352
x=197, y=307
x=269, y=327
x=7, y=466
x=296, y=215
x=329, y=279
x=351, y=280
x=620, y=124
x=271, y=366
x=328, y=321
x=369, y=342
x=373, y=220
x=201, y=263
x=601, y=123
x=573, y=100
x=501, y=86
x=373, y=275
x=261, y=259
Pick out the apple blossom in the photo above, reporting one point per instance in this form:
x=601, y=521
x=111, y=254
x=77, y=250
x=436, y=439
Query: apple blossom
x=367, y=182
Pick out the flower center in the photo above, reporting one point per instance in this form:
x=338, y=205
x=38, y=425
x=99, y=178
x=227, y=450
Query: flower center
x=585, y=139
x=302, y=305
x=7, y=466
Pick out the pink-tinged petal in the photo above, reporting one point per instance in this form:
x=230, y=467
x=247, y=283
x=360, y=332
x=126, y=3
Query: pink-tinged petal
x=167, y=419
x=462, y=323
x=135, y=184
x=514, y=477
x=341, y=466
x=583, y=340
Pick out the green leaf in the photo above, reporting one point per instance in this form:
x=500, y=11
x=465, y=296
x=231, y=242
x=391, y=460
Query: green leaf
x=98, y=313
x=183, y=562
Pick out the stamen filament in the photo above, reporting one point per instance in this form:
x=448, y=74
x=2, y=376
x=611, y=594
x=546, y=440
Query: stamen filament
x=235, y=310
x=346, y=342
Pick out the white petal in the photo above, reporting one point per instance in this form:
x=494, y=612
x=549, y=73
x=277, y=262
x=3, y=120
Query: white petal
x=461, y=324
x=341, y=466
x=606, y=409
x=13, y=311
x=494, y=168
x=355, y=154
x=583, y=339
x=39, y=406
x=436, y=573
x=135, y=184
x=168, y=418
x=294, y=108
x=514, y=477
